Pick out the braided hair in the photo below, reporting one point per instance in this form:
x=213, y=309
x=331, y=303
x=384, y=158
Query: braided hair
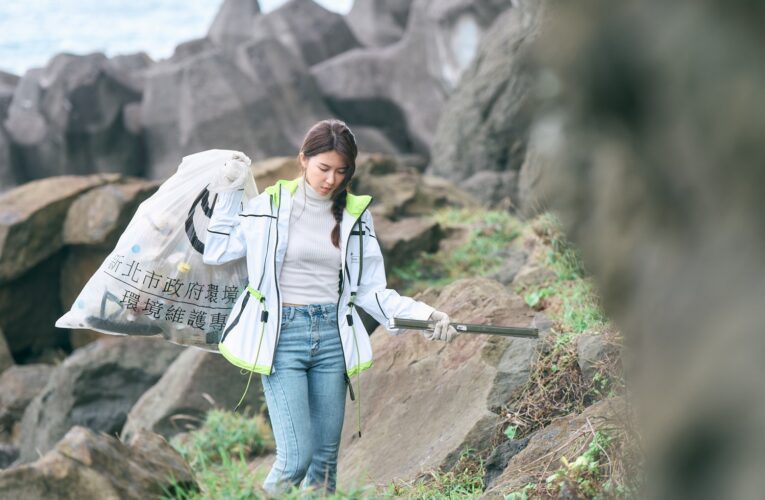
x=334, y=135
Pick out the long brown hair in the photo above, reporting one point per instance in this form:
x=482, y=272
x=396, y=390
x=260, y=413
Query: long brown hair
x=334, y=135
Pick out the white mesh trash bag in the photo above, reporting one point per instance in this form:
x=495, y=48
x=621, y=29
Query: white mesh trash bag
x=154, y=282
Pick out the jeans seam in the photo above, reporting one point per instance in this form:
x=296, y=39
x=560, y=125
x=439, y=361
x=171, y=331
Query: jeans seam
x=293, y=436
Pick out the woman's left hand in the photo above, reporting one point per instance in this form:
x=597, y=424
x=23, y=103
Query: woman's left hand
x=443, y=330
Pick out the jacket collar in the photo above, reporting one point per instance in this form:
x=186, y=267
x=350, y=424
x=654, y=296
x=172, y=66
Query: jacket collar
x=354, y=204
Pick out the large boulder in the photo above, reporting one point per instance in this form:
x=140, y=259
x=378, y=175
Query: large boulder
x=401, y=88
x=18, y=387
x=99, y=216
x=29, y=307
x=95, y=387
x=407, y=193
x=6, y=358
x=8, y=176
x=403, y=239
x=67, y=118
x=311, y=32
x=379, y=22
x=658, y=176
x=483, y=126
x=86, y=465
x=423, y=403
x=260, y=100
x=32, y=218
x=233, y=22
x=196, y=382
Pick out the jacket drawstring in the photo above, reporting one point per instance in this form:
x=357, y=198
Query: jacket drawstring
x=358, y=366
x=263, y=320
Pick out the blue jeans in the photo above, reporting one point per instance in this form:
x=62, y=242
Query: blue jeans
x=305, y=394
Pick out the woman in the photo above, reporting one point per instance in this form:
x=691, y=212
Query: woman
x=313, y=257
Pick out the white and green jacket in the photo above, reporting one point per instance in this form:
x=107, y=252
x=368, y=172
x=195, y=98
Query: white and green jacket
x=258, y=230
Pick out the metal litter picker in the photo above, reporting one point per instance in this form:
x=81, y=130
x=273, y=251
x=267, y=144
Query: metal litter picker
x=506, y=331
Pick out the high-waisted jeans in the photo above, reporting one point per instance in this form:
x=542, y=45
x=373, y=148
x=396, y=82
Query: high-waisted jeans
x=305, y=394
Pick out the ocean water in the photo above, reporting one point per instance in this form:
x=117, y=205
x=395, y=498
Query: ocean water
x=33, y=31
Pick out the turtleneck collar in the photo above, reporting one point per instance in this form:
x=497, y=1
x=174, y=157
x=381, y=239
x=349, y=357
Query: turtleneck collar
x=312, y=193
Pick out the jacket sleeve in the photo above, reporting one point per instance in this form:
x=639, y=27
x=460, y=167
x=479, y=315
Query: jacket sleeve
x=373, y=296
x=225, y=241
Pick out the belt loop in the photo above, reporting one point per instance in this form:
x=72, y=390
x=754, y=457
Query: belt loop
x=291, y=312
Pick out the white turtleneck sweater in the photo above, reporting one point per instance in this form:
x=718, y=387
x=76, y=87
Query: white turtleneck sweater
x=311, y=267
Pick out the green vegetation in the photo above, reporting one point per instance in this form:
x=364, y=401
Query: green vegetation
x=218, y=453
x=481, y=254
x=464, y=481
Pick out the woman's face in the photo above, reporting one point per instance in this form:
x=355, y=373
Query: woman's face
x=324, y=171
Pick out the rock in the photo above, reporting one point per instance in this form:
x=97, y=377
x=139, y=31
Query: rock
x=260, y=100
x=8, y=454
x=493, y=189
x=233, y=22
x=377, y=23
x=196, y=382
x=99, y=216
x=189, y=49
x=6, y=359
x=32, y=218
x=311, y=32
x=483, y=126
x=29, y=307
x=82, y=390
x=514, y=260
x=405, y=239
x=18, y=386
x=558, y=439
x=500, y=457
x=672, y=237
x=400, y=191
x=80, y=263
x=8, y=82
x=9, y=178
x=133, y=68
x=87, y=465
x=530, y=198
x=419, y=71
x=592, y=351
x=67, y=119
x=533, y=275
x=446, y=385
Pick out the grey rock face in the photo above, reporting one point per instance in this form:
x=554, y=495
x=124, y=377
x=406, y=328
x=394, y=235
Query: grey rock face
x=308, y=30
x=260, y=101
x=18, y=386
x=377, y=23
x=68, y=119
x=660, y=184
x=87, y=465
x=196, y=382
x=233, y=22
x=403, y=87
x=32, y=218
x=483, y=126
x=415, y=380
x=95, y=387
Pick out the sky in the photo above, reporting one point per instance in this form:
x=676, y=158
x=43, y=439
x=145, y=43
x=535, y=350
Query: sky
x=33, y=31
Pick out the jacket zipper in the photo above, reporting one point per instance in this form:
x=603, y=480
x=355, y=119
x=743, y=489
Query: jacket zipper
x=276, y=281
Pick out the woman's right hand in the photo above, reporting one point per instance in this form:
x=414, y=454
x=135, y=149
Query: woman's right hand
x=233, y=175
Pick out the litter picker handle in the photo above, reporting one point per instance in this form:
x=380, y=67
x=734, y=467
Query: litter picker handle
x=507, y=331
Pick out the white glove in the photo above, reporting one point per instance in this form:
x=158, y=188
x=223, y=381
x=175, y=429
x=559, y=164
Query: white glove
x=443, y=330
x=235, y=174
